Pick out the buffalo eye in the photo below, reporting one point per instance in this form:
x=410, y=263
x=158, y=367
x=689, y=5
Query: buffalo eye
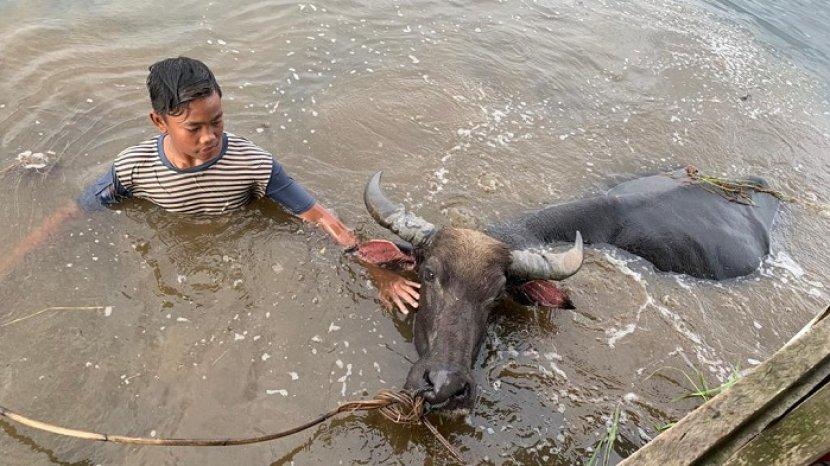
x=429, y=274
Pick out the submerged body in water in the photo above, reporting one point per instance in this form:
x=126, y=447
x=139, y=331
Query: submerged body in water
x=669, y=219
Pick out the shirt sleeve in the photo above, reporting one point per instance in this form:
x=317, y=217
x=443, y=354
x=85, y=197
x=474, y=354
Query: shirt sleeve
x=104, y=192
x=287, y=192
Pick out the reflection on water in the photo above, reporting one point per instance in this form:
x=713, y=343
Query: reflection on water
x=476, y=112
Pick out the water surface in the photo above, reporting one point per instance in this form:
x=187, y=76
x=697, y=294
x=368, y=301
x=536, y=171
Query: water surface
x=476, y=111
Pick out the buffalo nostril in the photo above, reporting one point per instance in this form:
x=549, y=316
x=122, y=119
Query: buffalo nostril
x=464, y=392
x=446, y=384
x=428, y=385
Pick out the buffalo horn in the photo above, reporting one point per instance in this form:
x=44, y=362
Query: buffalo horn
x=541, y=264
x=394, y=216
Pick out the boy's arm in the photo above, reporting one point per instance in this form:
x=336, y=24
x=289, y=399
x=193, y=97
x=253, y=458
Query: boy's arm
x=392, y=288
x=332, y=225
x=37, y=236
x=105, y=191
x=283, y=190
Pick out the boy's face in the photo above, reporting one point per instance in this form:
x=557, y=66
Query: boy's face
x=197, y=132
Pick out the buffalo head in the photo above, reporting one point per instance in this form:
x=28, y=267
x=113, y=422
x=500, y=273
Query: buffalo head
x=463, y=273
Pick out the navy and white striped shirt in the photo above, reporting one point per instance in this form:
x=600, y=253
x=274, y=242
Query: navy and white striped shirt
x=241, y=173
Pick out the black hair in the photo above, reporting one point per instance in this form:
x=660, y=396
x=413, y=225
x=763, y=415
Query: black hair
x=174, y=82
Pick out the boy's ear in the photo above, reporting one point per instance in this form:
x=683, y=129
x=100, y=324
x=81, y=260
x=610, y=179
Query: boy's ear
x=545, y=293
x=158, y=121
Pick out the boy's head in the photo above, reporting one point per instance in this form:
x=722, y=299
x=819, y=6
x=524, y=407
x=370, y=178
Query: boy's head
x=187, y=106
x=175, y=82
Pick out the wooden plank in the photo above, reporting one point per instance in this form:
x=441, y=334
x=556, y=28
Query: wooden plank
x=792, y=398
x=715, y=430
x=801, y=437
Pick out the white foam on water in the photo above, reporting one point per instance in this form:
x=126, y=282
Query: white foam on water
x=672, y=318
x=681, y=280
x=615, y=334
x=622, y=265
x=791, y=274
x=782, y=260
x=32, y=160
x=553, y=356
x=677, y=322
x=344, y=378
x=440, y=174
x=558, y=371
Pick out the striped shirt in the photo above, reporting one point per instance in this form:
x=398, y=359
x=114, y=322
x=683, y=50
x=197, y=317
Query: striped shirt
x=241, y=173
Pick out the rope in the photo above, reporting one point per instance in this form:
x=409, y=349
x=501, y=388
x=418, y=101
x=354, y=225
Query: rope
x=400, y=407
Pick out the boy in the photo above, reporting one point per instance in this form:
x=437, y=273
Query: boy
x=194, y=167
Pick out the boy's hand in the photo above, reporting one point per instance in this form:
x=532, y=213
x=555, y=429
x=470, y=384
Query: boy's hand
x=394, y=290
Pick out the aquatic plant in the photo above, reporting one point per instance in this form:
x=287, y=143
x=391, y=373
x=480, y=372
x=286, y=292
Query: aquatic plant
x=606, y=443
x=665, y=426
x=740, y=191
x=702, y=390
x=699, y=388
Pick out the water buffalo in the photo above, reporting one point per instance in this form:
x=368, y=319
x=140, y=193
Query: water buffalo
x=676, y=224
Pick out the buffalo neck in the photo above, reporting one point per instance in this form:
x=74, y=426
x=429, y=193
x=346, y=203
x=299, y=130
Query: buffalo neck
x=594, y=217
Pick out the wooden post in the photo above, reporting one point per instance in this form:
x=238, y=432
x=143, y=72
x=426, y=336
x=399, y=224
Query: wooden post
x=724, y=429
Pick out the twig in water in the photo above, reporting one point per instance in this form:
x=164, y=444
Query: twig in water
x=54, y=308
x=220, y=357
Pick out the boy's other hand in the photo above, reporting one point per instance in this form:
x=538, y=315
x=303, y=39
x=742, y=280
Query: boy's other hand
x=395, y=290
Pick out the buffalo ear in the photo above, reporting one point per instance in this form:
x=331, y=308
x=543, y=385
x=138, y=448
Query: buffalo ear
x=386, y=253
x=545, y=293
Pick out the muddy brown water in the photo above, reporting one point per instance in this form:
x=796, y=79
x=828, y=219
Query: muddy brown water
x=476, y=111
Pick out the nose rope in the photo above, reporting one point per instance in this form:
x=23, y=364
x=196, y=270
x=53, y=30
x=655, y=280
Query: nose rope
x=403, y=407
x=398, y=406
